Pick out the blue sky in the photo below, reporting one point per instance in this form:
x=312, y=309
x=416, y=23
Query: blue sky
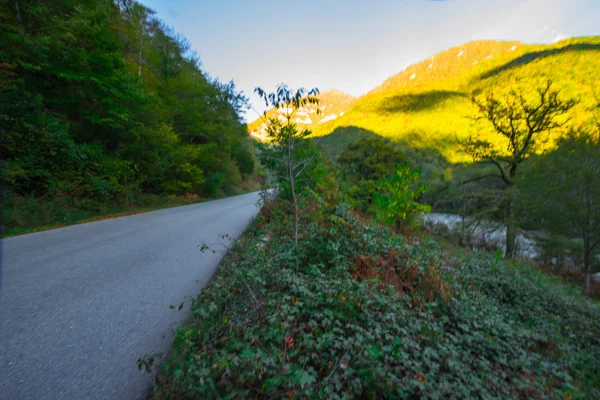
x=354, y=45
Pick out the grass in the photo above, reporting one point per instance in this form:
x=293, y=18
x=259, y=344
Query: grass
x=22, y=215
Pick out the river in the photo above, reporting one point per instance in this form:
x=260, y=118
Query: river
x=480, y=233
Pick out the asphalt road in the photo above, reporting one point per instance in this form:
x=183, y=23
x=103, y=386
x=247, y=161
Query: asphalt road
x=79, y=305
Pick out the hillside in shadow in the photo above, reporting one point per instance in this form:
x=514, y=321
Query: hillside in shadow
x=417, y=102
x=429, y=158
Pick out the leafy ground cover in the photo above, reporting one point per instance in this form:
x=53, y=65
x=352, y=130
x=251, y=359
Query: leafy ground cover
x=356, y=311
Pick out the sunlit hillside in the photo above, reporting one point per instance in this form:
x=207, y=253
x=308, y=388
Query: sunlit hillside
x=427, y=105
x=333, y=105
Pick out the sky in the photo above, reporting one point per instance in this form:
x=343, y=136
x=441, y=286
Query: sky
x=354, y=45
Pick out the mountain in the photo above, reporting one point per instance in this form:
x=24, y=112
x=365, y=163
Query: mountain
x=427, y=106
x=333, y=105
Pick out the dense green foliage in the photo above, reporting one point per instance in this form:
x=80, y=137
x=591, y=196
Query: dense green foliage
x=427, y=113
x=316, y=301
x=561, y=193
x=396, y=196
x=101, y=103
x=289, y=156
x=363, y=163
x=375, y=187
x=355, y=311
x=343, y=308
x=522, y=122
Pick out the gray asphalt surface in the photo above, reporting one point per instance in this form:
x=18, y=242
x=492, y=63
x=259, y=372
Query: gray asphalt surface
x=79, y=305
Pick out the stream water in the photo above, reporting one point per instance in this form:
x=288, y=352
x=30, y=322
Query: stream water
x=484, y=232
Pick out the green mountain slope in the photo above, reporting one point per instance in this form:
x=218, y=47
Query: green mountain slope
x=427, y=105
x=333, y=105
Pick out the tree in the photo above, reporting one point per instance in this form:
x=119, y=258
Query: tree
x=364, y=162
x=289, y=153
x=396, y=195
x=522, y=123
x=101, y=102
x=562, y=190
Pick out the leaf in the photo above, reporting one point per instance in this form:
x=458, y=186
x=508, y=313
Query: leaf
x=375, y=353
x=178, y=373
x=397, y=346
x=304, y=378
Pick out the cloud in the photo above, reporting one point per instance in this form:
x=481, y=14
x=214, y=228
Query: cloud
x=558, y=36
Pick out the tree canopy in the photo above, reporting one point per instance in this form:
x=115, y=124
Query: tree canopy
x=363, y=163
x=561, y=190
x=100, y=100
x=522, y=120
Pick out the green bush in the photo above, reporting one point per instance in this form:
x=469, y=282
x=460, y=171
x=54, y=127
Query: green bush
x=363, y=163
x=24, y=214
x=396, y=197
x=244, y=158
x=213, y=183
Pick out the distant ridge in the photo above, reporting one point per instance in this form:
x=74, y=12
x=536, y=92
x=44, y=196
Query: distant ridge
x=427, y=104
x=333, y=104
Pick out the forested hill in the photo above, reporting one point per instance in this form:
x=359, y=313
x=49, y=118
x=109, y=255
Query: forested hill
x=101, y=102
x=427, y=106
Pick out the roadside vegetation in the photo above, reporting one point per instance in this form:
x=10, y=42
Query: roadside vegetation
x=331, y=293
x=473, y=121
x=355, y=311
x=28, y=214
x=103, y=108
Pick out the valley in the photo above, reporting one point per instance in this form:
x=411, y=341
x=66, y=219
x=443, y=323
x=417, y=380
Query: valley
x=399, y=223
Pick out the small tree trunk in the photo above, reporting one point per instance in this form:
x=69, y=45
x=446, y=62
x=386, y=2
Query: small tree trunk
x=140, y=53
x=297, y=217
x=587, y=267
x=586, y=283
x=292, y=184
x=511, y=239
x=295, y=201
x=511, y=234
x=18, y=12
x=140, y=62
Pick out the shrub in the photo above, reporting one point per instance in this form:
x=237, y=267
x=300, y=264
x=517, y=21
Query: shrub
x=213, y=183
x=396, y=197
x=244, y=159
x=364, y=162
